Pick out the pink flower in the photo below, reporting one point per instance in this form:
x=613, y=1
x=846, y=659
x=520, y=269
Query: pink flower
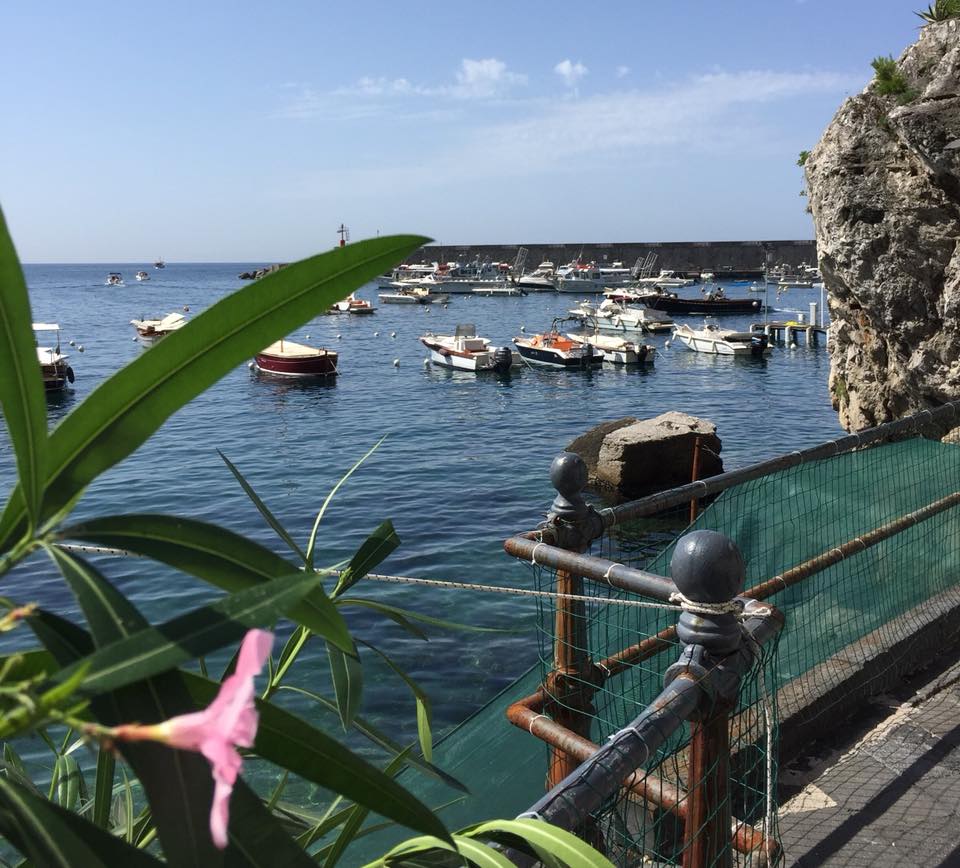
x=230, y=721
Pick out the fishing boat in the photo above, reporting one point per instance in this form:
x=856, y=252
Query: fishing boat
x=352, y=304
x=159, y=264
x=153, y=329
x=142, y=275
x=404, y=272
x=54, y=369
x=711, y=302
x=722, y=342
x=114, y=278
x=619, y=351
x=586, y=278
x=465, y=351
x=414, y=295
x=665, y=280
x=611, y=317
x=556, y=350
x=289, y=359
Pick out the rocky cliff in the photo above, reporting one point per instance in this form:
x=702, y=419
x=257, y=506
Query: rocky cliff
x=884, y=188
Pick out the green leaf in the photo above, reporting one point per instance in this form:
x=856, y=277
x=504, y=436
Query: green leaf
x=546, y=839
x=21, y=385
x=214, y=554
x=290, y=742
x=128, y=407
x=50, y=836
x=103, y=789
x=352, y=826
x=154, y=650
x=316, y=524
x=371, y=554
x=270, y=518
x=177, y=783
x=423, y=703
x=394, y=612
x=68, y=782
x=25, y=717
x=347, y=673
x=480, y=854
x=382, y=740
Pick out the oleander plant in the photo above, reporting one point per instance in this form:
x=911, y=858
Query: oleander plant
x=147, y=746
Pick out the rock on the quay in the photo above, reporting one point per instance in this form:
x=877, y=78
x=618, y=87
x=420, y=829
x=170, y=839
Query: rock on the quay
x=634, y=458
x=884, y=190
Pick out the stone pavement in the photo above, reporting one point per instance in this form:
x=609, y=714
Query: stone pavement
x=890, y=795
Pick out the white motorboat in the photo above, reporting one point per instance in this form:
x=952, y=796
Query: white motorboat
x=619, y=351
x=722, y=342
x=159, y=264
x=794, y=283
x=54, y=369
x=114, y=278
x=142, y=275
x=541, y=279
x=352, y=304
x=417, y=271
x=590, y=277
x=665, y=279
x=152, y=329
x=614, y=318
x=503, y=290
x=414, y=295
x=465, y=351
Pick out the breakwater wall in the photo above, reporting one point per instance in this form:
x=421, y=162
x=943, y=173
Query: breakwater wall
x=724, y=258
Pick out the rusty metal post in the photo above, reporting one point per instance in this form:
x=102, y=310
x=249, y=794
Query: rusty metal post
x=709, y=573
x=694, y=476
x=570, y=685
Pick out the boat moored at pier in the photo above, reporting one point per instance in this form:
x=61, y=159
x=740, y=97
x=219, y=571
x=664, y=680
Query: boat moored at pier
x=712, y=303
x=614, y=318
x=556, y=350
x=619, y=351
x=352, y=304
x=414, y=295
x=722, y=342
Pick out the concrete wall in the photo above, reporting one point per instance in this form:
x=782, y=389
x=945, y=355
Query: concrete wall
x=744, y=258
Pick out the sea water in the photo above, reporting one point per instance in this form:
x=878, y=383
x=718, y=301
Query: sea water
x=464, y=464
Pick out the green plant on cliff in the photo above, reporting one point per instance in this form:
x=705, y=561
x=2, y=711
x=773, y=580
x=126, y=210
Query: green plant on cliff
x=890, y=81
x=941, y=10
x=840, y=393
x=802, y=159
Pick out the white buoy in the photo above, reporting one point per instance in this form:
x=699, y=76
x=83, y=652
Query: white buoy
x=523, y=328
x=186, y=308
x=793, y=346
x=133, y=338
x=73, y=343
x=666, y=345
x=339, y=336
x=426, y=363
x=393, y=334
x=307, y=338
x=396, y=363
x=250, y=365
x=376, y=334
x=80, y=348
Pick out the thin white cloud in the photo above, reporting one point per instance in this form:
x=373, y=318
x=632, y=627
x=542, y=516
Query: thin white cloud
x=623, y=71
x=570, y=72
x=485, y=78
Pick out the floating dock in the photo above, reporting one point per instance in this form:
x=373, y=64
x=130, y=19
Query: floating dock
x=787, y=332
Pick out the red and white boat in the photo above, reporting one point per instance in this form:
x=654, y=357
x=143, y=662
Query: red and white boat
x=467, y=352
x=289, y=359
x=352, y=304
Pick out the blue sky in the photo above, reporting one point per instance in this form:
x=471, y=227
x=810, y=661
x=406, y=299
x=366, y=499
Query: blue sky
x=237, y=131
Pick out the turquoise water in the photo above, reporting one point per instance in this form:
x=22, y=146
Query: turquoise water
x=464, y=466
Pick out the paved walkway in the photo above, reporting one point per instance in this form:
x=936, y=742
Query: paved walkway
x=890, y=796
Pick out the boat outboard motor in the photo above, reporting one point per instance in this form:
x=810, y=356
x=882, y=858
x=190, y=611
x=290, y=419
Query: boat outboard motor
x=502, y=360
x=758, y=345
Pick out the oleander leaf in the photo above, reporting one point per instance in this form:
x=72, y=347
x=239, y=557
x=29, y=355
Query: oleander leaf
x=346, y=670
x=214, y=554
x=21, y=384
x=381, y=543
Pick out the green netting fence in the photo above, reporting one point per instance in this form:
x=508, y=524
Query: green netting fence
x=878, y=593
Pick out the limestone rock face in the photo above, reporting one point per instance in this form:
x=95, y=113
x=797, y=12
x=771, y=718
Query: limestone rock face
x=884, y=188
x=637, y=458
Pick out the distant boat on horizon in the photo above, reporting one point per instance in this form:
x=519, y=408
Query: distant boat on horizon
x=160, y=263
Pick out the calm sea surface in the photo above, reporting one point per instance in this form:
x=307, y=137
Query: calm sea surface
x=465, y=463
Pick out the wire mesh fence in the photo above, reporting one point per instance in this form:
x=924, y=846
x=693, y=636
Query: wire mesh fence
x=852, y=548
